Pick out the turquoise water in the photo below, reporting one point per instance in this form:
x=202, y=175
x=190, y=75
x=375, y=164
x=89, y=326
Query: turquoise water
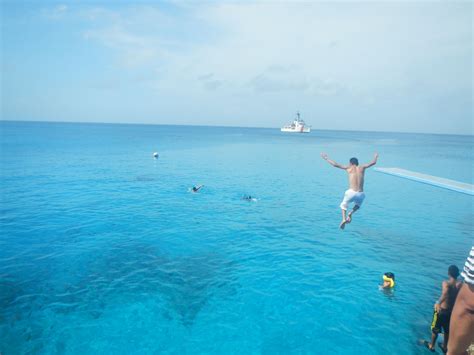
x=104, y=250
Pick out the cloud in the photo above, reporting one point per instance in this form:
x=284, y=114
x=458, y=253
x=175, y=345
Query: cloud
x=277, y=78
x=114, y=82
x=239, y=42
x=100, y=14
x=141, y=36
x=206, y=77
x=263, y=53
x=209, y=82
x=134, y=50
x=294, y=79
x=329, y=87
x=56, y=13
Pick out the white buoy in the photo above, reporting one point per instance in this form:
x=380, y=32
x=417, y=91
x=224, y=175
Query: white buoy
x=155, y=155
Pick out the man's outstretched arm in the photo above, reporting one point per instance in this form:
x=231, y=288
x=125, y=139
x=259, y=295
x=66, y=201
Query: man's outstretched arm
x=444, y=296
x=373, y=162
x=332, y=162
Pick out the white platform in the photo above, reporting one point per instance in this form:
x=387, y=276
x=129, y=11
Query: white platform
x=429, y=179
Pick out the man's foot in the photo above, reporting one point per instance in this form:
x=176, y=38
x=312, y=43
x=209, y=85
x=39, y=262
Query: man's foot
x=428, y=345
x=445, y=350
x=343, y=223
x=349, y=216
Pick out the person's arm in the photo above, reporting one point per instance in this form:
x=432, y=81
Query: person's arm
x=461, y=333
x=372, y=163
x=332, y=162
x=444, y=296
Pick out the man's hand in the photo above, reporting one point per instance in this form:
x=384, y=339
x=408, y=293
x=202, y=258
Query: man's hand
x=332, y=162
x=437, y=307
x=372, y=163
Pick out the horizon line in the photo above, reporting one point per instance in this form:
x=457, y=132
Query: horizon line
x=219, y=126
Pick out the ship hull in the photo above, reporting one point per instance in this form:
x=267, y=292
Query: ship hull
x=304, y=130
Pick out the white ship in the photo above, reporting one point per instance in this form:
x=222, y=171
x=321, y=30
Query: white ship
x=298, y=126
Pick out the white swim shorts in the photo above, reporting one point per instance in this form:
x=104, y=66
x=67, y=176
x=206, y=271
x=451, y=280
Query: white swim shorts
x=352, y=196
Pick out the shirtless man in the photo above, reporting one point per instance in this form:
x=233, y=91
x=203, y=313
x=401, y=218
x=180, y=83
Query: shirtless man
x=462, y=318
x=356, y=185
x=444, y=307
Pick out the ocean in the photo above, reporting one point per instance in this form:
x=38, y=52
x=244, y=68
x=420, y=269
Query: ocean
x=103, y=249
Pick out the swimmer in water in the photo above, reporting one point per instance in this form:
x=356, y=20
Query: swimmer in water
x=196, y=188
x=249, y=198
x=355, y=193
x=388, y=280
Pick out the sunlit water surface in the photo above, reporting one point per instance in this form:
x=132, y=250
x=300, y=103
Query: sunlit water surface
x=104, y=250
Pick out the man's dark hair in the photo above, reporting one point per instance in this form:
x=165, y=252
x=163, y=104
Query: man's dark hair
x=453, y=271
x=354, y=161
x=390, y=275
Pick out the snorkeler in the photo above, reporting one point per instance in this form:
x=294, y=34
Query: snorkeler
x=249, y=198
x=443, y=309
x=388, y=280
x=196, y=188
x=355, y=193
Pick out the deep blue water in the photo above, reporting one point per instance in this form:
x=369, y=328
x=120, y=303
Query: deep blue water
x=104, y=250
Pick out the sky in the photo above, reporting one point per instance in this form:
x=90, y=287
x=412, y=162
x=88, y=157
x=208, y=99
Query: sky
x=401, y=66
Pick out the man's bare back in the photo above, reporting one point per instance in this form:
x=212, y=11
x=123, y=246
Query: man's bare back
x=355, y=194
x=450, y=289
x=443, y=309
x=356, y=177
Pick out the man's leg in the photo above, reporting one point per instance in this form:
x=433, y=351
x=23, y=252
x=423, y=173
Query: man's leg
x=348, y=198
x=344, y=220
x=445, y=341
x=434, y=336
x=349, y=217
x=462, y=321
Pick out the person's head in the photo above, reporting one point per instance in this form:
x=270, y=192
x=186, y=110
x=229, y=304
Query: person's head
x=354, y=161
x=390, y=275
x=453, y=271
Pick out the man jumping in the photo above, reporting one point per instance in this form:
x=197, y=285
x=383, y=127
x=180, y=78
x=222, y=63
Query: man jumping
x=356, y=185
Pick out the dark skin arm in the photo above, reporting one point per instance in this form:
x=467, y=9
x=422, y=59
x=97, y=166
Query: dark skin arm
x=197, y=188
x=444, y=296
